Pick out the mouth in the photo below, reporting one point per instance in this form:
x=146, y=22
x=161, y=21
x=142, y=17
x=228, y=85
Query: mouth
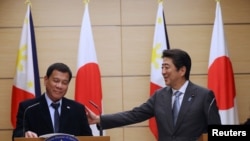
x=57, y=92
x=165, y=79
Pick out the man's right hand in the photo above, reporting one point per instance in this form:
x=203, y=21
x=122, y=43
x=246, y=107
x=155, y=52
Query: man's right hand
x=30, y=134
x=92, y=117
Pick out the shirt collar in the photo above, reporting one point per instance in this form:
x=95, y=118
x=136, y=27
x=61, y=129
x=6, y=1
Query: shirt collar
x=183, y=87
x=49, y=101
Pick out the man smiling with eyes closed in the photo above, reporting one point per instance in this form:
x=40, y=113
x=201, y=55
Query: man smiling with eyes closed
x=35, y=117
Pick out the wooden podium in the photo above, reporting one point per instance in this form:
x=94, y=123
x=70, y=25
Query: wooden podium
x=80, y=138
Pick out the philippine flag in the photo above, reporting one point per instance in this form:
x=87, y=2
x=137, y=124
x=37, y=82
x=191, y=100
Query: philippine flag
x=26, y=82
x=160, y=43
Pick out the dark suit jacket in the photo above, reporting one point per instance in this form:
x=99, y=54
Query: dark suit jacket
x=247, y=122
x=198, y=109
x=73, y=118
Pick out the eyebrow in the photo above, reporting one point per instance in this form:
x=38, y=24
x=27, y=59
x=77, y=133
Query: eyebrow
x=164, y=64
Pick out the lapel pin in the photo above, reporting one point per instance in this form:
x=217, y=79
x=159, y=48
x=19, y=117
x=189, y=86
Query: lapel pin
x=191, y=97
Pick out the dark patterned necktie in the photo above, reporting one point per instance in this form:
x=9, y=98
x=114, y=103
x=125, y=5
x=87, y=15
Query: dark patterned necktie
x=56, y=116
x=176, y=106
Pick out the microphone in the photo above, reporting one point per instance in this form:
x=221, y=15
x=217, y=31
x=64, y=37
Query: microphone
x=99, y=110
x=209, y=108
x=24, y=114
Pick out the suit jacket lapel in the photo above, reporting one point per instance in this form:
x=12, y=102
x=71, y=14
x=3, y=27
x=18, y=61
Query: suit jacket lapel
x=45, y=113
x=167, y=101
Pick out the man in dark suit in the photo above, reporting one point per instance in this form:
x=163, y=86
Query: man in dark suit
x=35, y=117
x=197, y=110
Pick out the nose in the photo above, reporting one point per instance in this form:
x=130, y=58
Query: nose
x=163, y=71
x=59, y=84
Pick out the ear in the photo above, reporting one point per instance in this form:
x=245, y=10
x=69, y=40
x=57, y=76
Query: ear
x=183, y=70
x=45, y=79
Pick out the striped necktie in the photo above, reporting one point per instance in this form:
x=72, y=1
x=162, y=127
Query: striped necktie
x=56, y=117
x=176, y=106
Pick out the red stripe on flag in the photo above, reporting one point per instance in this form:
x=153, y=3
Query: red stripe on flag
x=153, y=88
x=18, y=95
x=221, y=81
x=153, y=125
x=152, y=121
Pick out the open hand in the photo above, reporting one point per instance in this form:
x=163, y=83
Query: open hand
x=92, y=117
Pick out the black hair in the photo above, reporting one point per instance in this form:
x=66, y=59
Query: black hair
x=60, y=67
x=180, y=58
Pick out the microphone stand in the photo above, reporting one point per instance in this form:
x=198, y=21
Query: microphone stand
x=99, y=126
x=209, y=108
x=24, y=115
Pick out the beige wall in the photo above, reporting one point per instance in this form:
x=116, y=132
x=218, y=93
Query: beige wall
x=123, y=34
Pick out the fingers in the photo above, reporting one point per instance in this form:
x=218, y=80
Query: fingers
x=30, y=134
x=92, y=117
x=89, y=115
x=88, y=111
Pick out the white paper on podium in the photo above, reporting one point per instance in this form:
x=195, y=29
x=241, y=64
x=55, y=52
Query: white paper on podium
x=53, y=134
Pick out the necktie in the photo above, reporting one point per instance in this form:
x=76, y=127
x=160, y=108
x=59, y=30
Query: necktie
x=176, y=105
x=56, y=116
